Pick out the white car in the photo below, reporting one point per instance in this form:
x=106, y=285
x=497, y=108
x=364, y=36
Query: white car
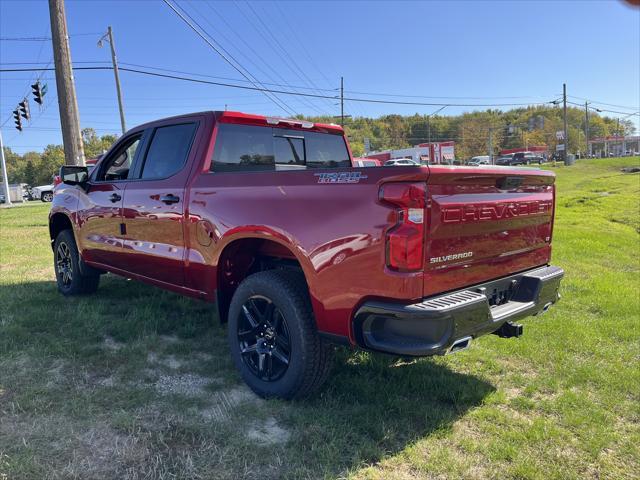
x=400, y=162
x=480, y=160
x=43, y=192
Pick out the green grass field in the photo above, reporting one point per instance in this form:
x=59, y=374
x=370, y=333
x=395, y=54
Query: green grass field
x=134, y=382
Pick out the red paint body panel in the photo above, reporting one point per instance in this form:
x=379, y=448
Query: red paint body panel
x=335, y=231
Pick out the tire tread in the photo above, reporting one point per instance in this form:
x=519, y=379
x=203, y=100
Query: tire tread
x=318, y=354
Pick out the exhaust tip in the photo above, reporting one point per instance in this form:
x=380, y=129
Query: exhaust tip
x=459, y=345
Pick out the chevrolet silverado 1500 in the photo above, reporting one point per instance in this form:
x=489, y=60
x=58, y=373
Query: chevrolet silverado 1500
x=299, y=250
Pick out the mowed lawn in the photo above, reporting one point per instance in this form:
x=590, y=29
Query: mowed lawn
x=136, y=383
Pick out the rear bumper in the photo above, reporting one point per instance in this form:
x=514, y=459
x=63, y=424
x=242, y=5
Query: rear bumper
x=434, y=325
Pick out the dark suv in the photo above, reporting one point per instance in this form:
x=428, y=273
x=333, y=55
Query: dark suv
x=520, y=158
x=526, y=158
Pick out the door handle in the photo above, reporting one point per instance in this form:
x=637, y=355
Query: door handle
x=169, y=199
x=115, y=198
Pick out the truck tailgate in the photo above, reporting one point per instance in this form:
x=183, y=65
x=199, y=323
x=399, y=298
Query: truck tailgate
x=485, y=223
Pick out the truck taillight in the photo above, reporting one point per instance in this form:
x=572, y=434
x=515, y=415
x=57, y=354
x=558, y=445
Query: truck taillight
x=405, y=240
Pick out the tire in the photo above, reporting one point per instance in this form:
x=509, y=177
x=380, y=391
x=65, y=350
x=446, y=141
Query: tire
x=47, y=197
x=273, y=338
x=71, y=280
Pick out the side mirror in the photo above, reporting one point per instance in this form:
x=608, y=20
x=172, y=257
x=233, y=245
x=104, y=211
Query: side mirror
x=74, y=174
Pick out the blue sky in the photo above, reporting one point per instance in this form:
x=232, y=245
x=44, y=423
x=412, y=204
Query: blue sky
x=455, y=52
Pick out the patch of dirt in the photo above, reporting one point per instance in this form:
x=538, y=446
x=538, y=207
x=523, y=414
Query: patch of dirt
x=57, y=374
x=170, y=339
x=169, y=361
x=224, y=402
x=630, y=170
x=188, y=384
x=512, y=393
x=515, y=414
x=111, y=344
x=106, y=382
x=203, y=357
x=269, y=432
x=98, y=451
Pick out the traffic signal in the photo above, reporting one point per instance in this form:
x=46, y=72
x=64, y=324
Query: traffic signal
x=23, y=107
x=39, y=92
x=18, y=119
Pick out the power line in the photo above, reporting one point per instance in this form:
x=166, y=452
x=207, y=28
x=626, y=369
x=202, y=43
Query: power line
x=604, y=110
x=298, y=87
x=46, y=63
x=233, y=63
x=264, y=38
x=290, y=60
x=300, y=44
x=258, y=56
x=282, y=92
x=249, y=58
x=41, y=39
x=603, y=103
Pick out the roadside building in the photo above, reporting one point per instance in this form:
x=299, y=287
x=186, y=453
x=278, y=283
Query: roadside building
x=433, y=153
x=615, y=146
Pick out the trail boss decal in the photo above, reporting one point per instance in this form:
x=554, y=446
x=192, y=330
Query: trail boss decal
x=340, y=177
x=448, y=258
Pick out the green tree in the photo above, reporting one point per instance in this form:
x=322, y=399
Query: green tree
x=30, y=173
x=95, y=145
x=50, y=163
x=15, y=165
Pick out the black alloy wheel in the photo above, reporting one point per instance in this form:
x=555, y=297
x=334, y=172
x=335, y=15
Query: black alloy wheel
x=273, y=338
x=64, y=264
x=264, y=339
x=72, y=277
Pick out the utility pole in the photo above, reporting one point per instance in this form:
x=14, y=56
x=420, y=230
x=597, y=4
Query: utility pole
x=586, y=127
x=429, y=125
x=67, y=102
x=566, y=133
x=5, y=179
x=491, y=145
x=109, y=38
x=342, y=101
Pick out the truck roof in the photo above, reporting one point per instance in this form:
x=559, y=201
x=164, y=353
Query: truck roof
x=253, y=119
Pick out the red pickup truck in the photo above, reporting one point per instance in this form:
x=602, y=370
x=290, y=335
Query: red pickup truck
x=267, y=218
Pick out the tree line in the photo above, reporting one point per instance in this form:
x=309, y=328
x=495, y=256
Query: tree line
x=521, y=127
x=37, y=168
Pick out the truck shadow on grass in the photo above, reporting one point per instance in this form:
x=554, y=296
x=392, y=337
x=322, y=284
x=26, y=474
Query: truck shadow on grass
x=372, y=406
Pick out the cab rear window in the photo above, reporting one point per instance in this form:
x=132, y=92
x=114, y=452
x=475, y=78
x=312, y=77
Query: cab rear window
x=247, y=148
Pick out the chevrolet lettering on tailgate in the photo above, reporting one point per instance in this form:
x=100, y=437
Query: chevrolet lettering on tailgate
x=475, y=213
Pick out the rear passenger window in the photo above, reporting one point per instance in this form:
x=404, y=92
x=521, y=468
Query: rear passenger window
x=168, y=150
x=325, y=150
x=247, y=148
x=242, y=148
